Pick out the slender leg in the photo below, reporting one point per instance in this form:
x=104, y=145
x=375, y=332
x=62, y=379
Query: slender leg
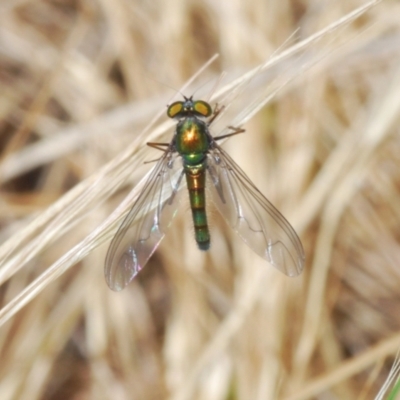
x=158, y=146
x=236, y=131
x=216, y=112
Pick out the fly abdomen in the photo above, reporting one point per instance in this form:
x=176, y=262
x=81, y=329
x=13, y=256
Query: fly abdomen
x=195, y=177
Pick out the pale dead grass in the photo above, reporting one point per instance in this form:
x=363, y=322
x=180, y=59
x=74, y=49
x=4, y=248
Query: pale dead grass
x=317, y=87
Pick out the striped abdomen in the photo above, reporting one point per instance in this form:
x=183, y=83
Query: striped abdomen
x=195, y=178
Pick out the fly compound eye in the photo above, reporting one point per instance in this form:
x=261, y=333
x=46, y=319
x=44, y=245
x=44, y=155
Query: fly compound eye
x=202, y=108
x=175, y=109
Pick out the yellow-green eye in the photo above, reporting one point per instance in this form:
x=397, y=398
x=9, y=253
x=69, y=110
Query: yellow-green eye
x=202, y=108
x=175, y=109
x=181, y=109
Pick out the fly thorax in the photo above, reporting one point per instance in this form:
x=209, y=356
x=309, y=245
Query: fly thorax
x=191, y=140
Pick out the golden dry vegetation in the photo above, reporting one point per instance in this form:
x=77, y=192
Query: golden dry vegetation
x=83, y=87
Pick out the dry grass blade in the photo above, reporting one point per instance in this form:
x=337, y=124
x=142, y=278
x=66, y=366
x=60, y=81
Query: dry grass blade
x=102, y=184
x=376, y=129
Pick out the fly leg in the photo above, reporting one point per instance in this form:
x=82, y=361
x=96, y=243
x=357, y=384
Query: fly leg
x=215, y=114
x=158, y=146
x=235, y=130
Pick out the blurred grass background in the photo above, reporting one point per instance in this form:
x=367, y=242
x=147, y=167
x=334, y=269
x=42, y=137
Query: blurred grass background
x=80, y=80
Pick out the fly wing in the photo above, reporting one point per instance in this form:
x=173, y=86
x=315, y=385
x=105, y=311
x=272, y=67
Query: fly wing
x=251, y=215
x=145, y=225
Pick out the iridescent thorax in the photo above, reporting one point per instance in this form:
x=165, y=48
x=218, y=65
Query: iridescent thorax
x=191, y=139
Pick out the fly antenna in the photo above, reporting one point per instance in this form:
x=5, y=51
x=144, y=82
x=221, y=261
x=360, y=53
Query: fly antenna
x=217, y=83
x=166, y=85
x=200, y=71
x=214, y=88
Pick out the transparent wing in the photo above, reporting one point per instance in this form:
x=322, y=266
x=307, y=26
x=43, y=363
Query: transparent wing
x=146, y=223
x=251, y=215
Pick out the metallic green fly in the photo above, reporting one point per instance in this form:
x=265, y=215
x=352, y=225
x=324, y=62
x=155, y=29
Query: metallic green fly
x=203, y=163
